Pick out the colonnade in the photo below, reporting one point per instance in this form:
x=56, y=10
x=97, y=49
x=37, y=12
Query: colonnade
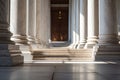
x=84, y=24
x=33, y=17
x=93, y=24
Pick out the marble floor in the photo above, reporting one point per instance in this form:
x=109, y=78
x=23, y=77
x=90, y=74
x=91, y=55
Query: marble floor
x=68, y=71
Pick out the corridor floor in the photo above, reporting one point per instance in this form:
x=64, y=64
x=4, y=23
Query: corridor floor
x=68, y=71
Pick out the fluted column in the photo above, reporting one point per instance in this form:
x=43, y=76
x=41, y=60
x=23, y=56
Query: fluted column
x=74, y=24
x=9, y=53
x=31, y=21
x=18, y=21
x=83, y=23
x=77, y=8
x=108, y=47
x=30, y=31
x=92, y=23
x=43, y=23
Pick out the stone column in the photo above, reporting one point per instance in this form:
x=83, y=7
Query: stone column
x=31, y=31
x=18, y=21
x=31, y=21
x=83, y=23
x=77, y=35
x=43, y=23
x=9, y=53
x=74, y=24
x=108, y=47
x=92, y=23
x=108, y=25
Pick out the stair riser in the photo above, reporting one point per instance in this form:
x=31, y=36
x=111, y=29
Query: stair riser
x=62, y=58
x=62, y=51
x=62, y=54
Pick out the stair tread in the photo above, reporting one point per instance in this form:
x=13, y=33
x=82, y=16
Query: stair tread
x=60, y=49
x=62, y=54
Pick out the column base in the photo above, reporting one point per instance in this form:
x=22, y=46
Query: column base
x=19, y=39
x=80, y=46
x=27, y=53
x=107, y=53
x=73, y=46
x=40, y=44
x=31, y=40
x=10, y=55
x=87, y=45
x=91, y=42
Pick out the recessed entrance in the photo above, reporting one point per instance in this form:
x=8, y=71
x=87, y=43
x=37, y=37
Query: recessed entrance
x=59, y=20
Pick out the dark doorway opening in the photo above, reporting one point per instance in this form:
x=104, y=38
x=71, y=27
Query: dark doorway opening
x=59, y=20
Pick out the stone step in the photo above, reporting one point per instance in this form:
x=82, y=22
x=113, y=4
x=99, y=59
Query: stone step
x=107, y=57
x=109, y=53
x=61, y=59
x=61, y=50
x=62, y=54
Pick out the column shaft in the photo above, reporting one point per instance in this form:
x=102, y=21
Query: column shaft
x=77, y=6
x=18, y=21
x=31, y=20
x=83, y=23
x=74, y=24
x=43, y=22
x=92, y=23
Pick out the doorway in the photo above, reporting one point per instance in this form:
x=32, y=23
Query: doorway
x=59, y=20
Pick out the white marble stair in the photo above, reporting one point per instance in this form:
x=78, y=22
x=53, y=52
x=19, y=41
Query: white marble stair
x=62, y=54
